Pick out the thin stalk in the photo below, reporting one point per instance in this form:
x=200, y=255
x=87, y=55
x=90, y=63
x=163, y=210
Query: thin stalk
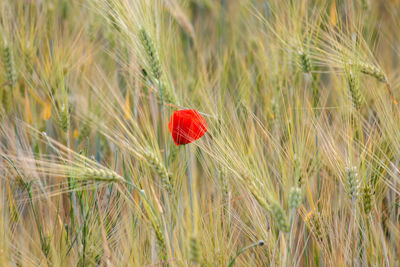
x=162, y=124
x=240, y=251
x=70, y=184
x=190, y=184
x=293, y=219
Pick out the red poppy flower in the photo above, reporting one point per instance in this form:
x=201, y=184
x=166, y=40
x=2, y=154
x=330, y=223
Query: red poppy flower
x=186, y=126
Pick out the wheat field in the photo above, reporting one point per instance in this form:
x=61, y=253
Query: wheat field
x=289, y=156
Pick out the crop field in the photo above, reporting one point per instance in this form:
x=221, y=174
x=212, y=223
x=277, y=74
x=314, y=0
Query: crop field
x=199, y=133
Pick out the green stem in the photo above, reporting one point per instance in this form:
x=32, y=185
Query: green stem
x=190, y=182
x=162, y=123
x=240, y=251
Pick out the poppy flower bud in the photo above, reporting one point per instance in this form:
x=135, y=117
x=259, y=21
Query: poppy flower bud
x=186, y=126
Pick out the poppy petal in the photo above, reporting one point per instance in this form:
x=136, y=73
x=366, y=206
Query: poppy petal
x=186, y=126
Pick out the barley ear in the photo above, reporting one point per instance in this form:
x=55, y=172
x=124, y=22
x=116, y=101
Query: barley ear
x=8, y=64
x=354, y=91
x=84, y=131
x=377, y=73
x=318, y=228
x=370, y=70
x=295, y=197
x=305, y=62
x=160, y=240
x=352, y=182
x=306, y=66
x=367, y=198
x=151, y=53
x=298, y=171
x=100, y=175
x=194, y=249
x=64, y=119
x=160, y=169
x=279, y=217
